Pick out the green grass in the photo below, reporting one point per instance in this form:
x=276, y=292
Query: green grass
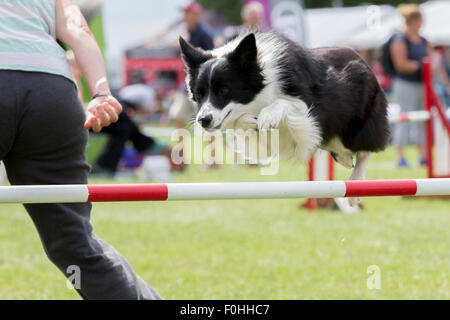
x=265, y=249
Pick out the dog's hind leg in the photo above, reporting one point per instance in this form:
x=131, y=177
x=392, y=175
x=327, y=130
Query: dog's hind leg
x=359, y=172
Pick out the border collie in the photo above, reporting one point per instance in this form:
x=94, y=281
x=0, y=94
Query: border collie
x=324, y=98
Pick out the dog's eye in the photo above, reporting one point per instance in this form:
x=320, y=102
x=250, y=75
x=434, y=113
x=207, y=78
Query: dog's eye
x=198, y=96
x=224, y=91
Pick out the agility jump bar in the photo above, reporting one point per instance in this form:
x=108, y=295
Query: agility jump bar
x=221, y=191
x=412, y=116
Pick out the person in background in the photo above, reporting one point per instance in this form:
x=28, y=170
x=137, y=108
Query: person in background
x=43, y=137
x=182, y=110
x=383, y=79
x=374, y=63
x=408, y=49
x=139, y=98
x=252, y=15
x=198, y=37
x=446, y=62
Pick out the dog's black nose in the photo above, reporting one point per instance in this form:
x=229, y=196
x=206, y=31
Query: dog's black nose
x=206, y=120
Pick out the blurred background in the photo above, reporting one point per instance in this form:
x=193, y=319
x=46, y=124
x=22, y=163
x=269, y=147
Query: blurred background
x=154, y=26
x=140, y=43
x=243, y=249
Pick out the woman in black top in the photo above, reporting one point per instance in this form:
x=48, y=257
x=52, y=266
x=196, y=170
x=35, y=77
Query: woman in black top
x=408, y=50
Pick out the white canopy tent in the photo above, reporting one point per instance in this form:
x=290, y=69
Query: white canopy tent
x=351, y=26
x=437, y=22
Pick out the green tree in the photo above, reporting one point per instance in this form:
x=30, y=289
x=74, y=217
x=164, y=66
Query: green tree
x=231, y=9
x=351, y=3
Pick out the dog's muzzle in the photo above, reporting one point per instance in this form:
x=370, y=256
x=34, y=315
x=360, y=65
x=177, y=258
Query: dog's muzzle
x=205, y=120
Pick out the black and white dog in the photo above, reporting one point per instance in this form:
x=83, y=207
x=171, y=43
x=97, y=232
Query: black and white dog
x=324, y=98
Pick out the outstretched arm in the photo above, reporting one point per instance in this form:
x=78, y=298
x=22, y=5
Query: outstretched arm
x=73, y=30
x=399, y=53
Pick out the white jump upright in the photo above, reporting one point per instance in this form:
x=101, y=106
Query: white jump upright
x=2, y=174
x=222, y=191
x=442, y=146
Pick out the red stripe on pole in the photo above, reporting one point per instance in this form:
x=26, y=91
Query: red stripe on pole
x=311, y=204
x=361, y=188
x=404, y=117
x=330, y=167
x=123, y=192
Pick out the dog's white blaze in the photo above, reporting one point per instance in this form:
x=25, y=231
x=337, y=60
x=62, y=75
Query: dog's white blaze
x=212, y=68
x=187, y=80
x=269, y=47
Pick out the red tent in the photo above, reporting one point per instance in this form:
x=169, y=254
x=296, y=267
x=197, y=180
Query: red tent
x=160, y=57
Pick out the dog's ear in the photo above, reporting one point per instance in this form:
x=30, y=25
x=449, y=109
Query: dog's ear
x=192, y=57
x=246, y=52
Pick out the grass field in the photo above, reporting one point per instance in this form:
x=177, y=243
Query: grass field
x=265, y=249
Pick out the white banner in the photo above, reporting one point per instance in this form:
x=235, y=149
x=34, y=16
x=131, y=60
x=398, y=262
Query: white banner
x=288, y=18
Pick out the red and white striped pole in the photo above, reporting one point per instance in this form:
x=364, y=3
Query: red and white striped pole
x=432, y=102
x=221, y=191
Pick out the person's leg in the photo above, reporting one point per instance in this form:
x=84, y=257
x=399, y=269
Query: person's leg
x=49, y=148
x=119, y=133
x=401, y=152
x=141, y=142
x=7, y=113
x=401, y=94
x=420, y=126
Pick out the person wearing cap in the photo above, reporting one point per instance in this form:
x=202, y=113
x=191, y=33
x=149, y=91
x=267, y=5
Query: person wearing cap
x=198, y=37
x=182, y=109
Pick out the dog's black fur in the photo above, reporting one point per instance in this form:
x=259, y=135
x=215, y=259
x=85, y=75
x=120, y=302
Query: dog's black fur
x=241, y=72
x=339, y=88
x=342, y=92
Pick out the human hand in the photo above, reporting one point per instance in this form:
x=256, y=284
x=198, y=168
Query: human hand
x=101, y=112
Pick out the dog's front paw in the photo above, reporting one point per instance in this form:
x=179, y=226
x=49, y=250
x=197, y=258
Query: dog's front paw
x=269, y=118
x=354, y=202
x=247, y=121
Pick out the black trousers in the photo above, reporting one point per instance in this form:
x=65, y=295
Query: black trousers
x=42, y=141
x=119, y=133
